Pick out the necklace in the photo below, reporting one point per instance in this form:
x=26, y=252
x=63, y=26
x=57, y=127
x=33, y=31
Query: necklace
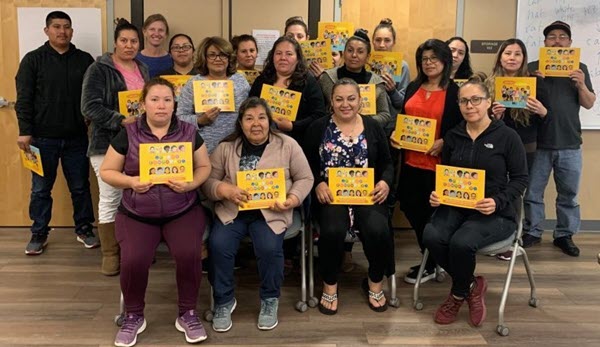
x=351, y=132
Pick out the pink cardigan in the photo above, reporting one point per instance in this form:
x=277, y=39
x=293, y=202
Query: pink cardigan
x=281, y=152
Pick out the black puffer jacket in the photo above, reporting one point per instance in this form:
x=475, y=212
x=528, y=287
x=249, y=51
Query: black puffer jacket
x=100, y=101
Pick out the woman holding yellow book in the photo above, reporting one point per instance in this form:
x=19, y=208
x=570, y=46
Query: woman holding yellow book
x=347, y=140
x=454, y=234
x=254, y=145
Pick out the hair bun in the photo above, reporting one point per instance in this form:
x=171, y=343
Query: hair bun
x=362, y=34
x=478, y=77
x=121, y=21
x=293, y=20
x=386, y=21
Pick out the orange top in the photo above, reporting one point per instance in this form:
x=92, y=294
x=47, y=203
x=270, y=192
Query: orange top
x=420, y=106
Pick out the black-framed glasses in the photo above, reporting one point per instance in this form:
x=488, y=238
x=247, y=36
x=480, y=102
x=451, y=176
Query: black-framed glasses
x=474, y=100
x=182, y=48
x=432, y=60
x=213, y=56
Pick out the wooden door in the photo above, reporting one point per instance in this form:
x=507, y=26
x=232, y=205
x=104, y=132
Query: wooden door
x=15, y=181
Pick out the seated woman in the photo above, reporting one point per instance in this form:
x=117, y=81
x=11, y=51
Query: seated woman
x=151, y=212
x=182, y=51
x=454, y=234
x=254, y=145
x=347, y=139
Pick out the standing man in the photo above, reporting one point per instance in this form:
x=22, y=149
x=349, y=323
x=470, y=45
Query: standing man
x=49, y=114
x=559, y=149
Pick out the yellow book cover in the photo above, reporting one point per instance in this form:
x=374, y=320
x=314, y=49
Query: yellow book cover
x=129, y=103
x=337, y=33
x=178, y=82
x=283, y=102
x=459, y=186
x=559, y=61
x=319, y=51
x=368, y=104
x=351, y=185
x=390, y=62
x=32, y=160
x=415, y=133
x=213, y=93
x=512, y=92
x=264, y=187
x=164, y=161
x=460, y=81
x=250, y=75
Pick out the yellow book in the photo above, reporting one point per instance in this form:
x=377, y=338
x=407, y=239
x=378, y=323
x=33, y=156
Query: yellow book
x=512, y=92
x=265, y=187
x=559, y=61
x=351, y=186
x=32, y=160
x=164, y=161
x=459, y=186
x=178, y=82
x=283, y=102
x=250, y=75
x=415, y=133
x=130, y=103
x=389, y=62
x=337, y=33
x=319, y=51
x=213, y=93
x=368, y=104
x=460, y=81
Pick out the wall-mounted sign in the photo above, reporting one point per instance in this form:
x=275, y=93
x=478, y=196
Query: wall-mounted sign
x=485, y=46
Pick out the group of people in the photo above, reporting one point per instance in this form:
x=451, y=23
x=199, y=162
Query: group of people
x=60, y=88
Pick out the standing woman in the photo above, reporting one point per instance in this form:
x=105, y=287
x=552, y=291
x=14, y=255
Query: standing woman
x=215, y=61
x=104, y=79
x=461, y=59
x=431, y=95
x=156, y=31
x=296, y=28
x=182, y=51
x=511, y=61
x=285, y=67
x=245, y=51
x=384, y=39
x=356, y=54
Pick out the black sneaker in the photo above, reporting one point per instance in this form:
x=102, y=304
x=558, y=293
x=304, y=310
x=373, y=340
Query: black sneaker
x=530, y=240
x=413, y=272
x=88, y=238
x=36, y=244
x=567, y=245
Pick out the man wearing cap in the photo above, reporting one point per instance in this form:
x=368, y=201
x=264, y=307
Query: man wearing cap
x=559, y=149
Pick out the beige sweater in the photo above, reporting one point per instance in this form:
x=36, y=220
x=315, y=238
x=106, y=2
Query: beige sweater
x=281, y=152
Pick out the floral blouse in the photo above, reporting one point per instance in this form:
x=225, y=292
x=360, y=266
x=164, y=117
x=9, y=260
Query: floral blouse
x=335, y=151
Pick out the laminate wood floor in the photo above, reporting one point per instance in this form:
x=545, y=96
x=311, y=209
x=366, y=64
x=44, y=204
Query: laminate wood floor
x=60, y=299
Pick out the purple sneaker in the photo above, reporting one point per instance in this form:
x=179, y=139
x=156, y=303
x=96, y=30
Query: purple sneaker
x=190, y=325
x=132, y=326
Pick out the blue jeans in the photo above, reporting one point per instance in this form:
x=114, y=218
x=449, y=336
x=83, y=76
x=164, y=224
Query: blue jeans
x=72, y=155
x=224, y=241
x=567, y=166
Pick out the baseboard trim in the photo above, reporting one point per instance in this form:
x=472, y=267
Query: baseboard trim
x=586, y=225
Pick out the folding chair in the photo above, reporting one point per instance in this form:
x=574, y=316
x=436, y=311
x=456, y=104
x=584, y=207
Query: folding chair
x=513, y=242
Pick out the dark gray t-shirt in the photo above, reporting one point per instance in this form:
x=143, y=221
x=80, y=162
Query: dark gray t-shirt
x=562, y=128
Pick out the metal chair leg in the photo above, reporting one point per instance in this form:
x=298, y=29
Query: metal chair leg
x=533, y=300
x=417, y=304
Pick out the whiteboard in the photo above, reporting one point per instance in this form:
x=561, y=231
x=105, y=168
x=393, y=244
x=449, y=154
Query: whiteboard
x=584, y=18
x=86, y=22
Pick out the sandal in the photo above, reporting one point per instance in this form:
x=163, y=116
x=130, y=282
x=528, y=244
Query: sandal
x=376, y=296
x=330, y=299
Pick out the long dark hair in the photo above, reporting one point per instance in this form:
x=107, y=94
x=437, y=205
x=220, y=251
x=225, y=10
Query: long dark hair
x=442, y=52
x=464, y=70
x=298, y=78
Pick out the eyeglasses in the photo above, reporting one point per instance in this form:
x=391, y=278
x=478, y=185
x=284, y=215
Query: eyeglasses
x=214, y=56
x=432, y=60
x=474, y=100
x=561, y=37
x=183, y=48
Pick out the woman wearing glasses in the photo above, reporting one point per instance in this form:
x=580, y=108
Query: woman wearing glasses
x=182, y=50
x=215, y=62
x=431, y=95
x=454, y=234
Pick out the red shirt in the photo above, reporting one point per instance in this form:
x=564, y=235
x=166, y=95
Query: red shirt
x=421, y=106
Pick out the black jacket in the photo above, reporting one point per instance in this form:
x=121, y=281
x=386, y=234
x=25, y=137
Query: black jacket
x=500, y=152
x=377, y=144
x=311, y=105
x=49, y=92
